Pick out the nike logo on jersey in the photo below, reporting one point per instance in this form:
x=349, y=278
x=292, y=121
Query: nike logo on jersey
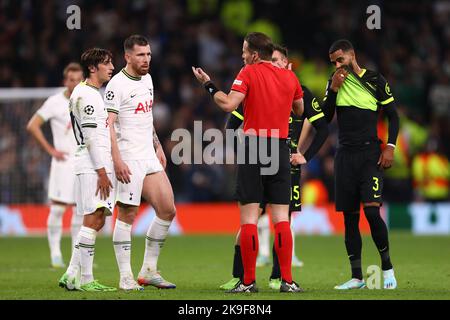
x=133, y=95
x=377, y=196
x=297, y=205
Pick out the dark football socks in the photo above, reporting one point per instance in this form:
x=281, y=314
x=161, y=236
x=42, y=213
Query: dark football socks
x=353, y=243
x=379, y=233
x=238, y=268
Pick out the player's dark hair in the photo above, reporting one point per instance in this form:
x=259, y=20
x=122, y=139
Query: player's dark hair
x=280, y=48
x=73, y=66
x=92, y=57
x=341, y=44
x=134, y=39
x=261, y=43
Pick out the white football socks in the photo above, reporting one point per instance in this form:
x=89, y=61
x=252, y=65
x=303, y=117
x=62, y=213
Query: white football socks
x=87, y=251
x=122, y=247
x=293, y=234
x=75, y=225
x=54, y=229
x=264, y=235
x=156, y=235
x=75, y=260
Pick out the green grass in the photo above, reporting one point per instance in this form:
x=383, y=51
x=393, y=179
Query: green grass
x=199, y=264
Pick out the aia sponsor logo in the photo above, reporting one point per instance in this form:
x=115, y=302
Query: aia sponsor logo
x=144, y=107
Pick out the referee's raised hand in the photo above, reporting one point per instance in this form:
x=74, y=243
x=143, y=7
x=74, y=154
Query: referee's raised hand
x=201, y=76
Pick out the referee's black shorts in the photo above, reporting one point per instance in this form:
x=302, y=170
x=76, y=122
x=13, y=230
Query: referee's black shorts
x=253, y=186
x=296, y=201
x=358, y=178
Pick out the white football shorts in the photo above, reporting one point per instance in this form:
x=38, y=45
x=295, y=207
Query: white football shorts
x=61, y=186
x=131, y=193
x=87, y=201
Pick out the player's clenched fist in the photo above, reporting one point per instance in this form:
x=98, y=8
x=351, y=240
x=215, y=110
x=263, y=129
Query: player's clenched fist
x=338, y=79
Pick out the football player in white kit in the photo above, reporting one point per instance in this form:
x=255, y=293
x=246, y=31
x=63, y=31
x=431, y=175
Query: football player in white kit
x=93, y=167
x=61, y=192
x=139, y=163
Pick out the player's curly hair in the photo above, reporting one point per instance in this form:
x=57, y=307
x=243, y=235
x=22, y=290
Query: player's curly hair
x=261, y=43
x=92, y=57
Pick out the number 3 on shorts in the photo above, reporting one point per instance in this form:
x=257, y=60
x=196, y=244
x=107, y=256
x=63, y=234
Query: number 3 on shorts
x=376, y=185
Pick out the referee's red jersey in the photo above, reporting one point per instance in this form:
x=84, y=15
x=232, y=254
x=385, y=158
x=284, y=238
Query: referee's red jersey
x=269, y=94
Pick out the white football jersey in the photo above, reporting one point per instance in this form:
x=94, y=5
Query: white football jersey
x=56, y=110
x=132, y=99
x=88, y=112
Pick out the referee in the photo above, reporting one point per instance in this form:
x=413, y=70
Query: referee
x=358, y=95
x=268, y=93
x=315, y=116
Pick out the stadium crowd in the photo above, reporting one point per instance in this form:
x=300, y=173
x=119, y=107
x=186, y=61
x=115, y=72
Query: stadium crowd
x=412, y=50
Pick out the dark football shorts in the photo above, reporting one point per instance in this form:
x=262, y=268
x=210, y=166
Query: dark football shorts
x=296, y=203
x=358, y=178
x=253, y=186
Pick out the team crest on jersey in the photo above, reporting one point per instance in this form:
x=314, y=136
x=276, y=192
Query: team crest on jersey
x=316, y=105
x=387, y=89
x=109, y=95
x=89, y=110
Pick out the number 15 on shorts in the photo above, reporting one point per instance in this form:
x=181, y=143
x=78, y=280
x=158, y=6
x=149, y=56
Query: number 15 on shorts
x=295, y=193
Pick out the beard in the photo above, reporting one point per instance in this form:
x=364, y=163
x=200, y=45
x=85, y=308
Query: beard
x=143, y=71
x=348, y=67
x=140, y=70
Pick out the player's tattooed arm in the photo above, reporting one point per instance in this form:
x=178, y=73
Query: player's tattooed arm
x=159, y=150
x=156, y=142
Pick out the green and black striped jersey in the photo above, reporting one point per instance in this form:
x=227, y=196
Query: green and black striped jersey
x=357, y=104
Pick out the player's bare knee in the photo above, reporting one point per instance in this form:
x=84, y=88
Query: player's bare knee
x=127, y=213
x=279, y=218
x=167, y=214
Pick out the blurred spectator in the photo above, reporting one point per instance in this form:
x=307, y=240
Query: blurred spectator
x=431, y=172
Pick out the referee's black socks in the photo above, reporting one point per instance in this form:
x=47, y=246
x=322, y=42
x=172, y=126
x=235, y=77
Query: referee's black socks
x=353, y=243
x=379, y=232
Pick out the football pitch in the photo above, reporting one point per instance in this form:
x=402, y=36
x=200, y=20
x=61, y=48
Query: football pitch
x=199, y=264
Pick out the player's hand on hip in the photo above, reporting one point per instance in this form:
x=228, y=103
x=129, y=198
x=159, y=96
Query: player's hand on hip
x=122, y=171
x=201, y=76
x=386, y=158
x=161, y=156
x=59, y=155
x=297, y=159
x=338, y=79
x=104, y=185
